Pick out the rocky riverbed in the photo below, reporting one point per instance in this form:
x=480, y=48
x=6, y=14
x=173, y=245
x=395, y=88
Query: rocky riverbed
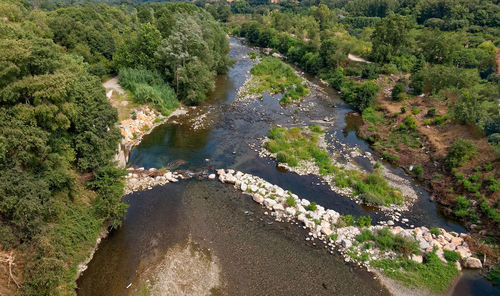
x=321, y=223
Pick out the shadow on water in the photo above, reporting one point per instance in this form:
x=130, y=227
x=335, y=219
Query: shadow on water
x=162, y=218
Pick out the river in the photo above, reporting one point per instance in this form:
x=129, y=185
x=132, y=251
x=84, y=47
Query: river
x=203, y=237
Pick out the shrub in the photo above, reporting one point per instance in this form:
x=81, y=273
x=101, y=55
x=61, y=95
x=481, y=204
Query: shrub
x=364, y=221
x=398, y=92
x=347, y=220
x=370, y=71
x=415, y=110
x=410, y=122
x=418, y=171
x=431, y=112
x=438, y=120
x=366, y=235
x=403, y=110
x=460, y=152
x=315, y=128
x=405, y=246
x=148, y=87
x=281, y=157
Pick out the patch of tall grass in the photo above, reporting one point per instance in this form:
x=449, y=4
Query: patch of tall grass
x=148, y=87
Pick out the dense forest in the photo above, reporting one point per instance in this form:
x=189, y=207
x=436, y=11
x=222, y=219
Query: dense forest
x=58, y=186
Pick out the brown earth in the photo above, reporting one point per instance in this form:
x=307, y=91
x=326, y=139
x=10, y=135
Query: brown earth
x=435, y=141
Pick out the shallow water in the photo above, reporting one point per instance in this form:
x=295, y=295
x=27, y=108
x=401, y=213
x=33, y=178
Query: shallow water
x=255, y=255
x=248, y=255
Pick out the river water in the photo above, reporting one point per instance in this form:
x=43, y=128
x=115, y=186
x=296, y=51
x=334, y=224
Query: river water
x=204, y=237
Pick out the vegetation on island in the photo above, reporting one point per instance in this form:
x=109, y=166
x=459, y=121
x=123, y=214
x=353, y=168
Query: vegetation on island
x=273, y=75
x=294, y=145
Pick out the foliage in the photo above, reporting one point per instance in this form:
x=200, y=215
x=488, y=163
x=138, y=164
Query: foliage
x=398, y=92
x=148, y=87
x=364, y=221
x=451, y=256
x=360, y=96
x=460, y=152
x=374, y=189
x=290, y=201
x=391, y=37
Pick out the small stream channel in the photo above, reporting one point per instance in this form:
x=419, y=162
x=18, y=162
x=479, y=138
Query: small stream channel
x=199, y=236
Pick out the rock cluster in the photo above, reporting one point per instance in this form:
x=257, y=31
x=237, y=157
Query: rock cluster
x=139, y=124
x=321, y=223
x=141, y=179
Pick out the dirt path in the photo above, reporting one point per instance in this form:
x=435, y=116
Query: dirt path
x=118, y=98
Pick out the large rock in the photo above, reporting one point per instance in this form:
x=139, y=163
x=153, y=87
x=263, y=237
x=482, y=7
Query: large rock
x=269, y=202
x=326, y=228
x=258, y=198
x=291, y=211
x=423, y=244
x=253, y=188
x=346, y=243
x=464, y=252
x=278, y=207
x=473, y=263
x=417, y=258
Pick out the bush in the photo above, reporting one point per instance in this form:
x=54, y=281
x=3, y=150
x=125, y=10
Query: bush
x=281, y=157
x=411, y=123
x=360, y=96
x=398, y=92
x=370, y=71
x=431, y=112
x=366, y=235
x=460, y=152
x=148, y=87
x=418, y=171
x=364, y=221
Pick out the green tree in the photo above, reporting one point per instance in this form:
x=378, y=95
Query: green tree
x=391, y=37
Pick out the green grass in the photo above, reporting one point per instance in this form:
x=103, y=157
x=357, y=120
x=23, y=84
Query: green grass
x=273, y=75
x=294, y=145
x=432, y=274
x=290, y=201
x=385, y=240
